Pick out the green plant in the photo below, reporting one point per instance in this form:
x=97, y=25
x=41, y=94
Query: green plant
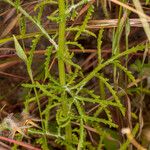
x=67, y=94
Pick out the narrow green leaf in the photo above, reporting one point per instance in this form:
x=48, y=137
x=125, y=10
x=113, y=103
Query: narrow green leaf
x=19, y=50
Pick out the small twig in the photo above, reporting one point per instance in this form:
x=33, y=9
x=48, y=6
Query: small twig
x=12, y=75
x=29, y=147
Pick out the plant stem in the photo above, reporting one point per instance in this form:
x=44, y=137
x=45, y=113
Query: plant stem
x=61, y=65
x=99, y=53
x=109, y=61
x=38, y=102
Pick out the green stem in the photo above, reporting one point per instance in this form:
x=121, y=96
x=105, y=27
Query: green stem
x=99, y=52
x=38, y=102
x=109, y=61
x=61, y=65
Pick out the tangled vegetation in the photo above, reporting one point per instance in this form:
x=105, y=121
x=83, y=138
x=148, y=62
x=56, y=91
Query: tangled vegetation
x=80, y=72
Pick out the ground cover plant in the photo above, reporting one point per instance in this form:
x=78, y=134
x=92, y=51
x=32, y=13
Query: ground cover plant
x=74, y=74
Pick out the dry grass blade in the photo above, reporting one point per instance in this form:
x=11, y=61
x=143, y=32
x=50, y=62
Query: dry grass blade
x=96, y=24
x=130, y=8
x=10, y=26
x=12, y=75
x=84, y=9
x=9, y=15
x=8, y=64
x=144, y=20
